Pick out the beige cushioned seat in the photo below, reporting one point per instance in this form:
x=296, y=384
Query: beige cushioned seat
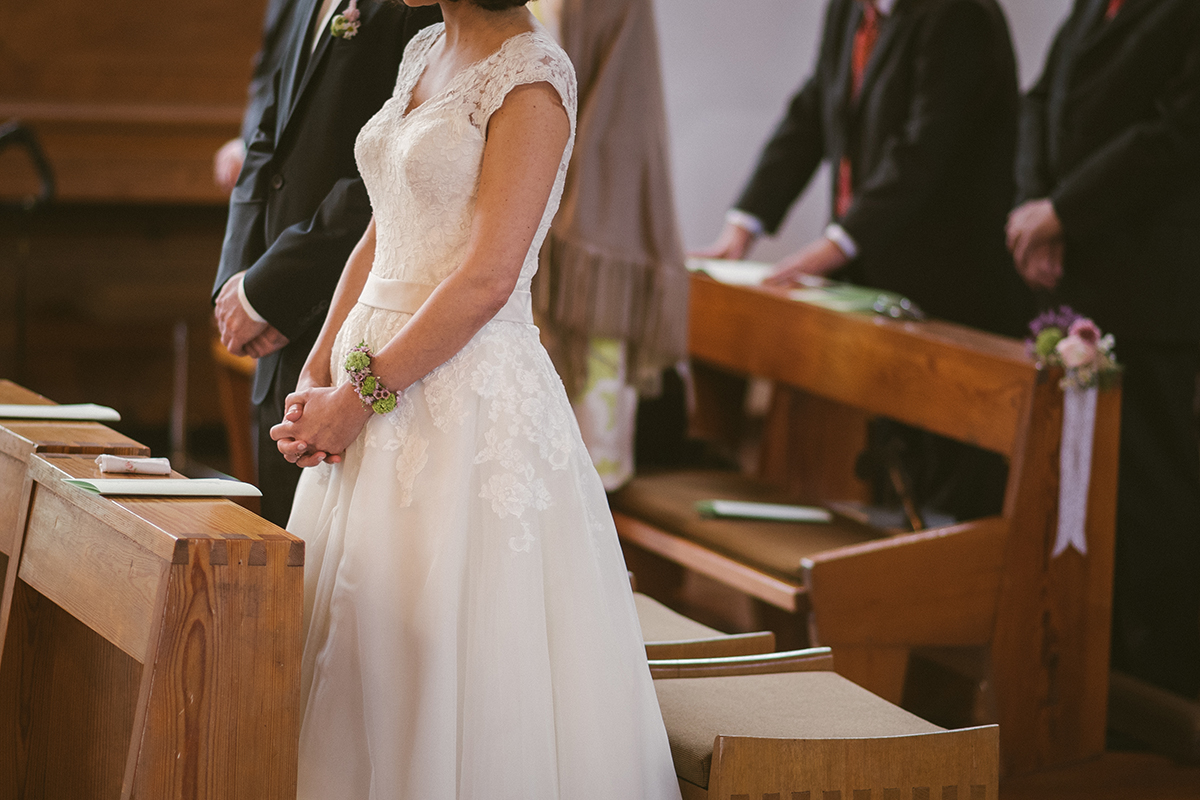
x=661, y=624
x=667, y=501
x=791, y=705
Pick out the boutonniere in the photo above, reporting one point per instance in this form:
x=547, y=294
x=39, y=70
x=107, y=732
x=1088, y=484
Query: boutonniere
x=345, y=25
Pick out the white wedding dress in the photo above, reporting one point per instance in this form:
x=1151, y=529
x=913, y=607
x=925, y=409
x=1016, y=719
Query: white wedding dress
x=470, y=629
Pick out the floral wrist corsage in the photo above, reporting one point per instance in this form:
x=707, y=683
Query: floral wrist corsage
x=369, y=388
x=1066, y=339
x=345, y=25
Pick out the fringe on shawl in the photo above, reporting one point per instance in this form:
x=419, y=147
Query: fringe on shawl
x=580, y=293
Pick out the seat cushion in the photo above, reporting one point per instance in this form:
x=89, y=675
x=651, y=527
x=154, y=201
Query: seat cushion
x=668, y=502
x=661, y=624
x=790, y=705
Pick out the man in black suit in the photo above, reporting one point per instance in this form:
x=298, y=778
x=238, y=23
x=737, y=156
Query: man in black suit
x=1108, y=173
x=227, y=162
x=300, y=206
x=914, y=104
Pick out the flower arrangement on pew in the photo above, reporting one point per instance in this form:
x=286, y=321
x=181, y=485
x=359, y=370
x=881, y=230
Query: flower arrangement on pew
x=1061, y=337
x=1069, y=340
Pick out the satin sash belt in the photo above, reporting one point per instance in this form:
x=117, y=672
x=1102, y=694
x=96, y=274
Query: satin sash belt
x=396, y=295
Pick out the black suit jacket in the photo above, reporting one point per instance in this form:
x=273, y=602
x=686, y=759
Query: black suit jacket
x=267, y=60
x=1111, y=133
x=931, y=139
x=300, y=206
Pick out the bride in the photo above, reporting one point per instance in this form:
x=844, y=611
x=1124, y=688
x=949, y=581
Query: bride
x=470, y=630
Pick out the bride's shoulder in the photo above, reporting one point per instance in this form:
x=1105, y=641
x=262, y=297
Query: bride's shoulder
x=533, y=57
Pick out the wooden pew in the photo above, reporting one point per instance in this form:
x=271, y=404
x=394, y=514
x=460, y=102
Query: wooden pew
x=785, y=725
x=670, y=635
x=987, y=583
x=152, y=647
x=20, y=439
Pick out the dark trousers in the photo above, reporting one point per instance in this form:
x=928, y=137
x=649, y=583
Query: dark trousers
x=1156, y=591
x=277, y=478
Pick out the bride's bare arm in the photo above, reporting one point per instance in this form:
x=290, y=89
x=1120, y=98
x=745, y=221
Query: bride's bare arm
x=349, y=287
x=526, y=137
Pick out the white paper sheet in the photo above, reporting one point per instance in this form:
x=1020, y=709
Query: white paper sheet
x=86, y=412
x=166, y=487
x=735, y=273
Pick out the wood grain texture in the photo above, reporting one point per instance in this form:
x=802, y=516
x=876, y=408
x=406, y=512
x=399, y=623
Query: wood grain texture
x=990, y=583
x=1051, y=641
x=181, y=623
x=936, y=588
x=944, y=378
x=891, y=768
x=778, y=592
x=67, y=699
x=12, y=393
x=110, y=583
x=123, y=122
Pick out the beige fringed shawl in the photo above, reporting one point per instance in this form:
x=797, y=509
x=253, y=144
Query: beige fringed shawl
x=613, y=263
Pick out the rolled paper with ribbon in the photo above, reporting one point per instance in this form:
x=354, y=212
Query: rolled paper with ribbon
x=140, y=466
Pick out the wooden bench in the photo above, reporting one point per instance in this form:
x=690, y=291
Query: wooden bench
x=21, y=438
x=988, y=583
x=669, y=634
x=787, y=726
x=152, y=647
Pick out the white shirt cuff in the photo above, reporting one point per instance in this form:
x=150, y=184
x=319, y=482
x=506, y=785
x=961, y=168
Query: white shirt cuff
x=241, y=290
x=747, y=222
x=837, y=234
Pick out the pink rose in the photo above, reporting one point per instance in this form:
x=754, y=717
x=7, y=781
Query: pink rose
x=1076, y=351
x=1086, y=330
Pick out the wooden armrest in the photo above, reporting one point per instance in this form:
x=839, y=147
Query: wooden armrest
x=732, y=645
x=814, y=659
x=932, y=587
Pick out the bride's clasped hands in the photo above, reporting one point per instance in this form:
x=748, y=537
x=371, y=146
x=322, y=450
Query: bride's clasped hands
x=319, y=423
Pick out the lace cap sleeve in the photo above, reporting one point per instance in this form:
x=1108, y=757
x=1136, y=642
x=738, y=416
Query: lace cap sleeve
x=415, y=52
x=527, y=59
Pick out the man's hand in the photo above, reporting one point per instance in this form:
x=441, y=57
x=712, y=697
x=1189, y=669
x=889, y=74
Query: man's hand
x=227, y=164
x=1035, y=239
x=265, y=343
x=1043, y=266
x=242, y=335
x=733, y=243
x=821, y=257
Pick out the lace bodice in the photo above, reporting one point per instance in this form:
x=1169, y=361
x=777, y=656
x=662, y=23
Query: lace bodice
x=421, y=169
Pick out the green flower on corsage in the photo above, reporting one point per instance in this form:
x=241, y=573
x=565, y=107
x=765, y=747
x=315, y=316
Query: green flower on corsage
x=345, y=25
x=358, y=360
x=385, y=405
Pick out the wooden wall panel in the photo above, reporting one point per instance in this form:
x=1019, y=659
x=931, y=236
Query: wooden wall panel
x=131, y=97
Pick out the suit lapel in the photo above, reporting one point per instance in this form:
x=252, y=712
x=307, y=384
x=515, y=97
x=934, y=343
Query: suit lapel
x=842, y=78
x=324, y=42
x=301, y=63
x=889, y=27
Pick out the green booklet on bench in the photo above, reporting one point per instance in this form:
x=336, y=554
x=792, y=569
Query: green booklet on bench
x=775, y=512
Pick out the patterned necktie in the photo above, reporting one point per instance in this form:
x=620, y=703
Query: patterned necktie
x=864, y=44
x=1113, y=7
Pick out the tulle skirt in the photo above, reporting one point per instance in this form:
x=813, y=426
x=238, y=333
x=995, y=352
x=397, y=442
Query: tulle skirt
x=470, y=629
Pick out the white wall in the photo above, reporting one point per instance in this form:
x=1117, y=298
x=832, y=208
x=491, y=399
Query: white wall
x=730, y=66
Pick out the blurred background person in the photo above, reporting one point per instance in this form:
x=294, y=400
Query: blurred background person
x=1109, y=223
x=611, y=291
